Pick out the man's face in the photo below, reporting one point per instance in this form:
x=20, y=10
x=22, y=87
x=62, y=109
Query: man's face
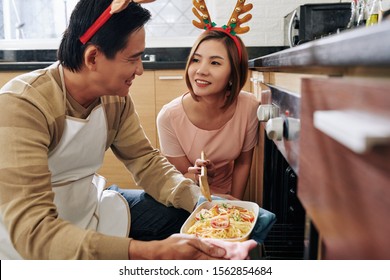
x=115, y=76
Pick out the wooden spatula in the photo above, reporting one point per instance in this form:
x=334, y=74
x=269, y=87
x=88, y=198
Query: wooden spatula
x=203, y=183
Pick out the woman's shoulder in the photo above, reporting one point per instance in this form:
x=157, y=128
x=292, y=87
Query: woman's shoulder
x=172, y=108
x=247, y=99
x=174, y=103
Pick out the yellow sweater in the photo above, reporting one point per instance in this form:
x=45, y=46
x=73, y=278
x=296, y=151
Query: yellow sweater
x=32, y=119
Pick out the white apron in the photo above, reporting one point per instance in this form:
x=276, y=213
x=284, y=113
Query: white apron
x=79, y=192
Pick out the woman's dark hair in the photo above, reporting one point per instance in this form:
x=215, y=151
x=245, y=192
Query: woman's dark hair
x=239, y=71
x=110, y=38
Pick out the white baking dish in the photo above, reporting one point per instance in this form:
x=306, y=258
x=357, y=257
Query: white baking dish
x=208, y=205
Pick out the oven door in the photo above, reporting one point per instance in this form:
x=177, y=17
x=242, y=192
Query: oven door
x=292, y=236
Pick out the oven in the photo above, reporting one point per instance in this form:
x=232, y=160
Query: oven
x=293, y=236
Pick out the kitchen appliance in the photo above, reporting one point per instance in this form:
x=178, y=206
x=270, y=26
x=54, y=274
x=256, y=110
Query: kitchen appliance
x=313, y=21
x=292, y=236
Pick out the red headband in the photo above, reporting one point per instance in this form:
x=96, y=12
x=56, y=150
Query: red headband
x=233, y=25
x=234, y=38
x=101, y=20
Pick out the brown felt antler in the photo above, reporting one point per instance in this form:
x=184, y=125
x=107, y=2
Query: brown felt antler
x=204, y=18
x=234, y=23
x=240, y=8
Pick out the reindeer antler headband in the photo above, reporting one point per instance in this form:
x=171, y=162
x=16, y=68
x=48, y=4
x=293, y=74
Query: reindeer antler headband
x=233, y=26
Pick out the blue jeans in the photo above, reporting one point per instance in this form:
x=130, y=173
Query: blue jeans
x=151, y=220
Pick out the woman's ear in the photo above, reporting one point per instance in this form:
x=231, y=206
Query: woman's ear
x=90, y=56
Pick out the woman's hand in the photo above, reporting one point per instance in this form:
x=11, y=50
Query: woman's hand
x=196, y=169
x=234, y=250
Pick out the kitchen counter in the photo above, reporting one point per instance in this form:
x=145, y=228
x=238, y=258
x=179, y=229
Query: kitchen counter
x=166, y=58
x=28, y=60
x=362, y=47
x=32, y=65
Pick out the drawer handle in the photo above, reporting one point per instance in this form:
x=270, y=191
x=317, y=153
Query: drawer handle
x=170, y=77
x=359, y=131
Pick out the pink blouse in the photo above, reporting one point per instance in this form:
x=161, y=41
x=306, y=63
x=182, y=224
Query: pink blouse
x=179, y=137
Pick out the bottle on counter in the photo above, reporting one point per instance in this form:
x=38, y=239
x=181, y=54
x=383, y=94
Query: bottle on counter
x=373, y=15
x=354, y=15
x=384, y=9
x=361, y=12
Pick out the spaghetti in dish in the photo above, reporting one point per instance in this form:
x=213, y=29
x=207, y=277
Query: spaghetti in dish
x=222, y=221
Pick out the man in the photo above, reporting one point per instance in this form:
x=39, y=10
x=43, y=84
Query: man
x=55, y=126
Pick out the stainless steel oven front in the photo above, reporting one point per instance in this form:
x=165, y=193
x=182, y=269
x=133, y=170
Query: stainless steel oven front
x=293, y=236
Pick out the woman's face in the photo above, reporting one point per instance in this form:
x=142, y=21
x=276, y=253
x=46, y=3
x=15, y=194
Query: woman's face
x=209, y=70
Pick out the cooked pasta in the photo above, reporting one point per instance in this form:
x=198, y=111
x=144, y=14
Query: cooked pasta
x=222, y=221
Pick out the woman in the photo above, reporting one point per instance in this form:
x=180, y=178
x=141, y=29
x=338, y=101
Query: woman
x=214, y=116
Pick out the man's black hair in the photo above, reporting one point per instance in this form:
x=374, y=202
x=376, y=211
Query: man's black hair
x=110, y=38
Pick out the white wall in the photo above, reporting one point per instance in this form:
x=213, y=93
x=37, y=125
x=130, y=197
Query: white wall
x=266, y=25
x=267, y=22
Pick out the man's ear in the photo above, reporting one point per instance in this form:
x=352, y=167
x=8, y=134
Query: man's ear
x=90, y=56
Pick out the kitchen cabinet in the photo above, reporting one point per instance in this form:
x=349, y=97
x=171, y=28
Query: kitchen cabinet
x=6, y=76
x=346, y=192
x=169, y=85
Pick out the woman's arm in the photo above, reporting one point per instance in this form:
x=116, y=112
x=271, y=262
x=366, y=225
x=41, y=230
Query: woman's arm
x=242, y=166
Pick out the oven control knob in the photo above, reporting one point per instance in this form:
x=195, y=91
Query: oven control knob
x=274, y=128
x=266, y=112
x=291, y=128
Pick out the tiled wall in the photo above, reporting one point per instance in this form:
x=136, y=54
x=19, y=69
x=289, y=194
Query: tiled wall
x=267, y=22
x=1, y=21
x=171, y=20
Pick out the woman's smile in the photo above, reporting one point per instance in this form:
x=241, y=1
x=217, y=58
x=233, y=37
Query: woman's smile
x=202, y=83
